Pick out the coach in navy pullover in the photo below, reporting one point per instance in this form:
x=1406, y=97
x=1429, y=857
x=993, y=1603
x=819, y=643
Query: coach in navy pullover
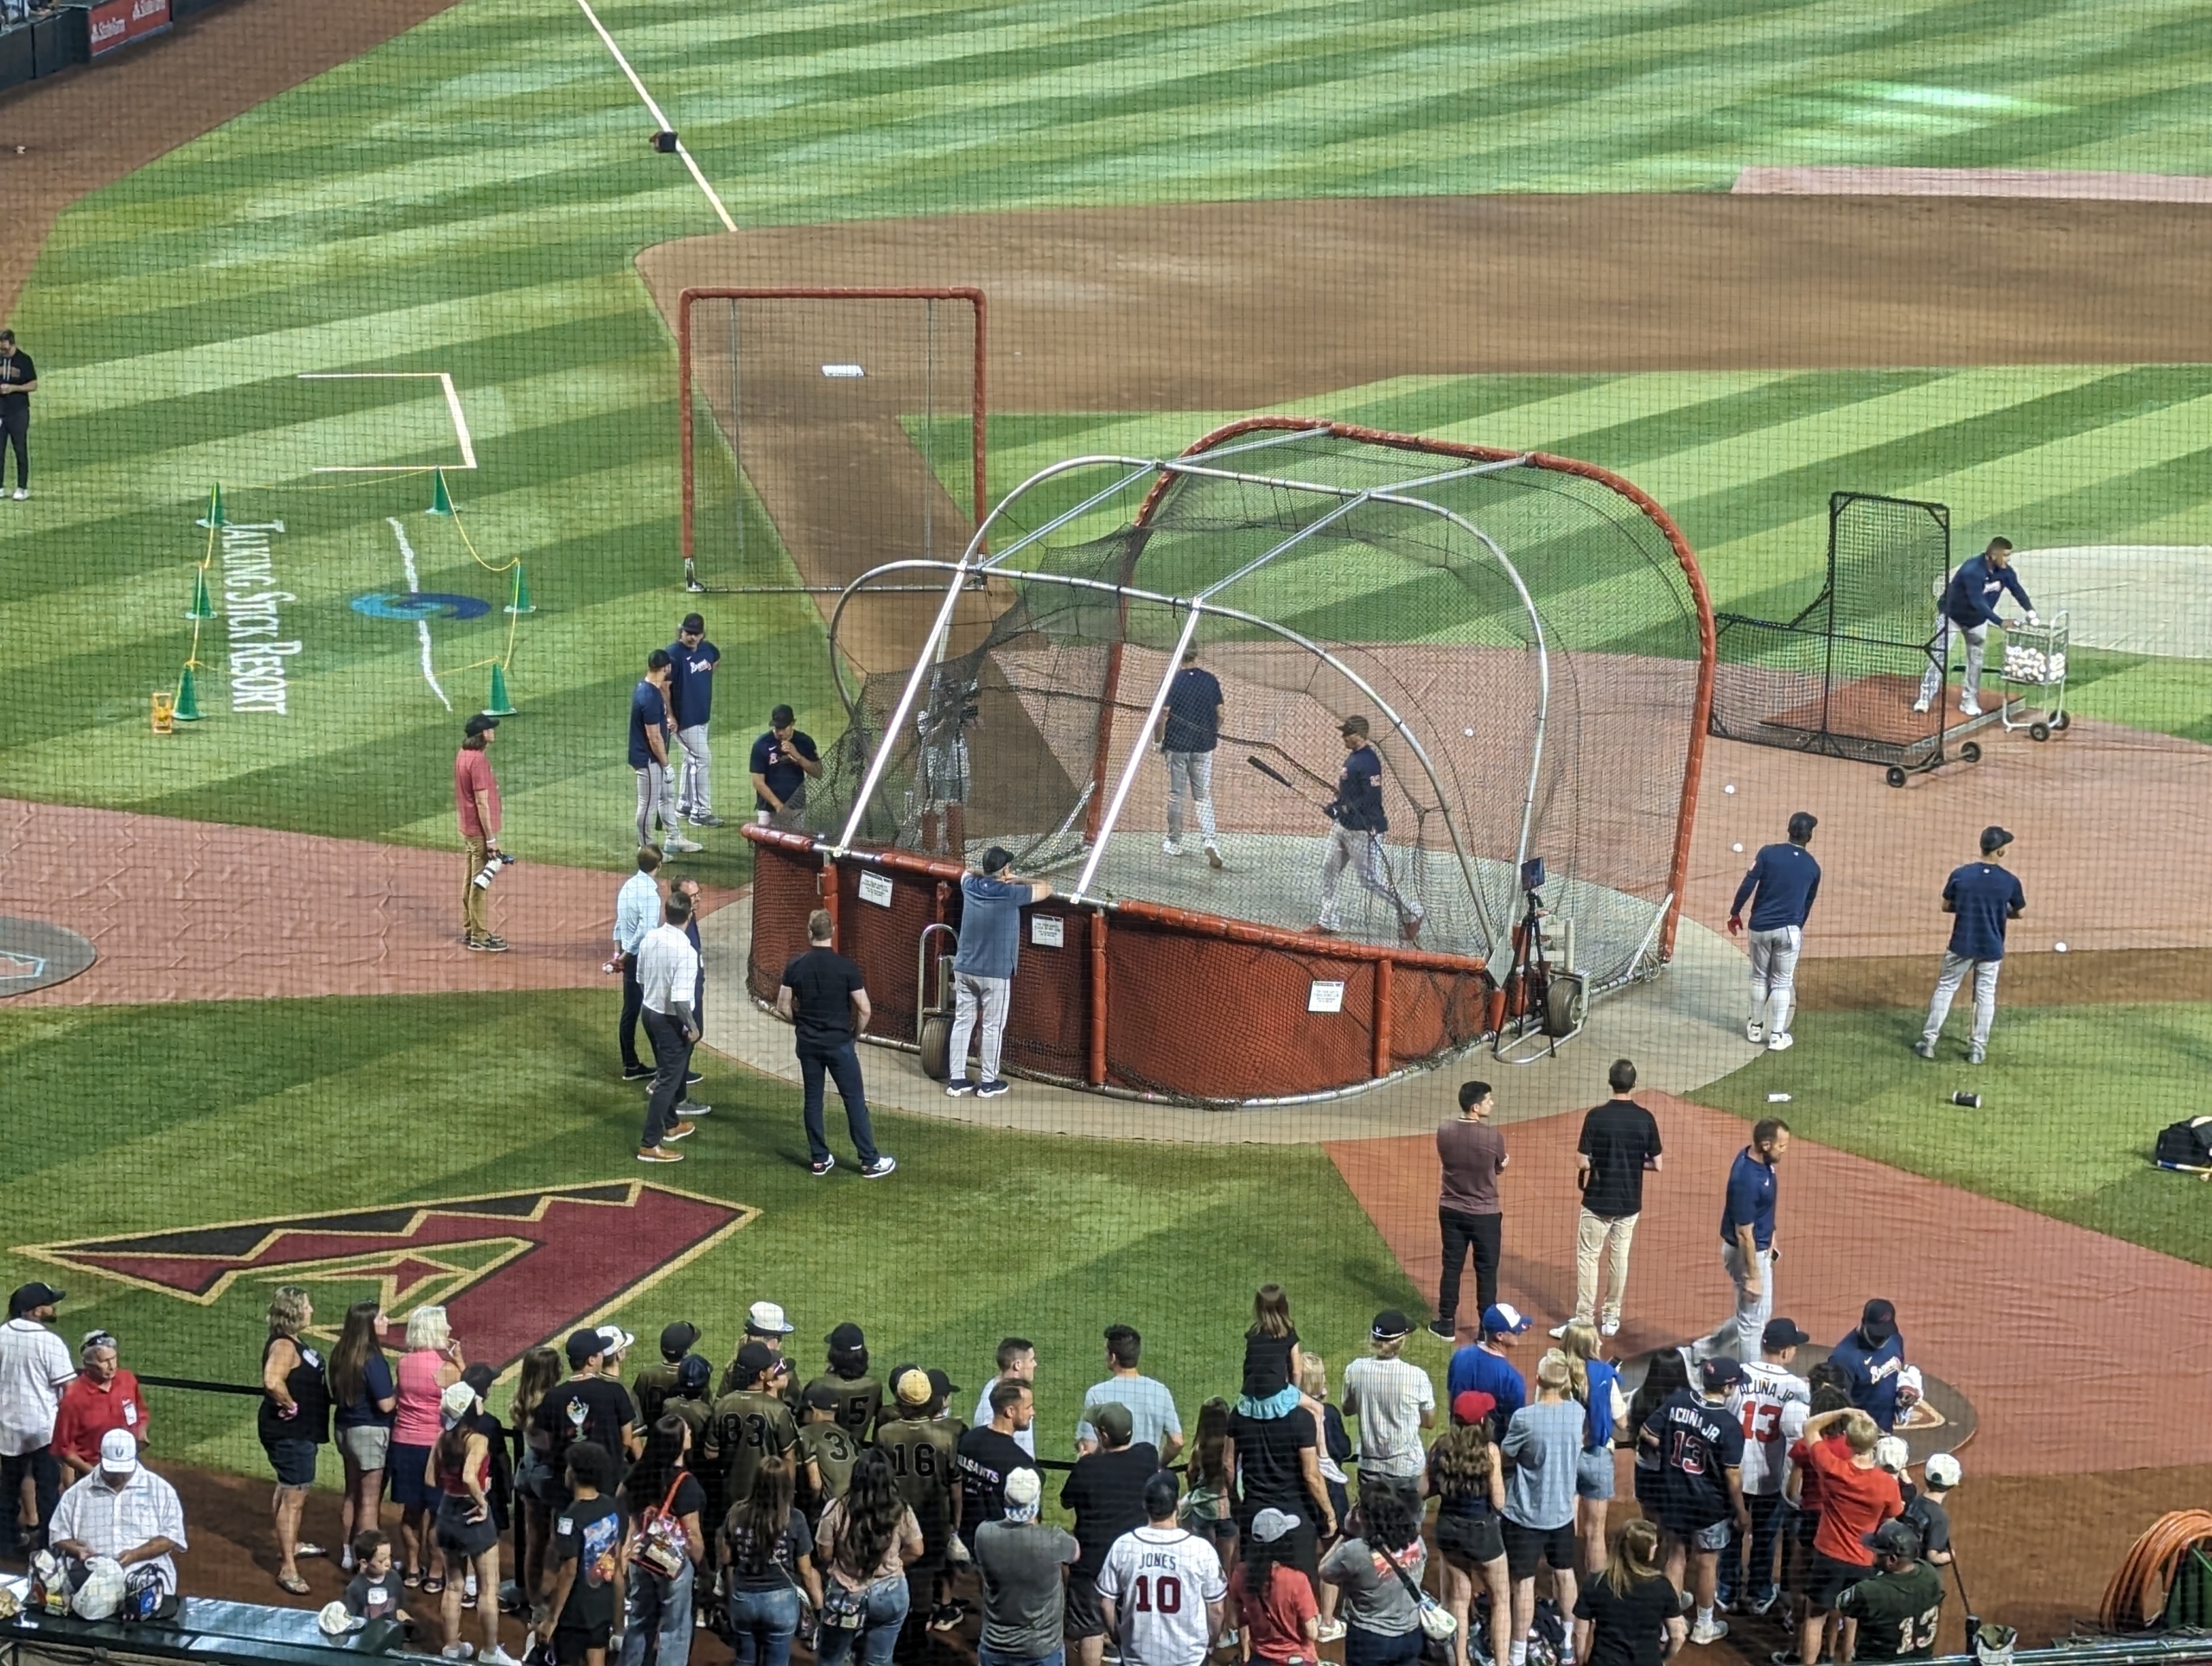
x=1970, y=599
x=1784, y=881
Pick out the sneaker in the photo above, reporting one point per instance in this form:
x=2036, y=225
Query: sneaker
x=694, y=587
x=1784, y=1657
x=1755, y=1033
x=636, y=1072
x=659, y=1154
x=691, y=1078
x=457, y=1652
x=678, y=845
x=1763, y=1606
x=498, y=1656
x=1969, y=707
x=1925, y=1049
x=992, y=1089
x=1445, y=1328
x=958, y=1088
x=821, y=1166
x=1170, y=847
x=1708, y=1630
x=1975, y=1055
x=1326, y=928
x=690, y=1108
x=1611, y=1326
x=1780, y=1041
x=705, y=820
x=1213, y=856
x=1921, y=706
x=879, y=1168
x=494, y=944
x=1410, y=929
x=22, y=491
x=1560, y=1329
x=346, y=1560
x=945, y=1618
x=1332, y=1630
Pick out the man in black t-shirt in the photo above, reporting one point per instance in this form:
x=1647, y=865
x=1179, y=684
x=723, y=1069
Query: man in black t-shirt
x=1620, y=1140
x=825, y=997
x=585, y=1559
x=1189, y=733
x=1277, y=1461
x=18, y=381
x=1105, y=1491
x=587, y=1406
x=1698, y=1489
x=989, y=1454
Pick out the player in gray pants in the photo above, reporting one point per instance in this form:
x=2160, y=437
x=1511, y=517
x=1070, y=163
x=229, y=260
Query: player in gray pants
x=1781, y=887
x=1982, y=898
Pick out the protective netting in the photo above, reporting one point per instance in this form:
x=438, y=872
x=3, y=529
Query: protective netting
x=1843, y=674
x=1523, y=640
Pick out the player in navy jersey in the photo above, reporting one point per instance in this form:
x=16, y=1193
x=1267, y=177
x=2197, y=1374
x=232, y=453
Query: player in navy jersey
x=1356, y=838
x=1697, y=1491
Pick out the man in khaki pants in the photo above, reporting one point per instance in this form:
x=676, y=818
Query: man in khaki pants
x=476, y=800
x=1620, y=1140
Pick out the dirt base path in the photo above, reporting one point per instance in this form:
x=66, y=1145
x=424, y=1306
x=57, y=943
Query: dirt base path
x=195, y=911
x=88, y=127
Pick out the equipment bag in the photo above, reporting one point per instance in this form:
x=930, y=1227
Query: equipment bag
x=2186, y=1144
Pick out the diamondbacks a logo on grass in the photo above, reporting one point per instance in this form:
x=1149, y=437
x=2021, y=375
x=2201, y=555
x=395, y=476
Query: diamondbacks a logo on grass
x=512, y=1268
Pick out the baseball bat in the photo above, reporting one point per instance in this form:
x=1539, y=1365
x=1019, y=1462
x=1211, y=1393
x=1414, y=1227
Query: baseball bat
x=1279, y=778
x=1973, y=1620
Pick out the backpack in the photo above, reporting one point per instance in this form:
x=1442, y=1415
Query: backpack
x=2186, y=1145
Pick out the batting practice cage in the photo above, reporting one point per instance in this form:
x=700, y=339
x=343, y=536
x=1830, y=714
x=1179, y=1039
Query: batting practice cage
x=1841, y=674
x=1527, y=637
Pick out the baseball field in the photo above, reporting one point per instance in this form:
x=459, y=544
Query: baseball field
x=353, y=274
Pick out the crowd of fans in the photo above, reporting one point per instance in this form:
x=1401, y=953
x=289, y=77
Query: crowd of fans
x=855, y=1513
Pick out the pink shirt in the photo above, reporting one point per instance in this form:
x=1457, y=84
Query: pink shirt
x=416, y=1421
x=471, y=774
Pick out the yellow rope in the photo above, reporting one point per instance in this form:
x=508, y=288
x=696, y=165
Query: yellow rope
x=207, y=563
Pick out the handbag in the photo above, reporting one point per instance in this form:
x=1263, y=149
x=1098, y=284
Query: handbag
x=1437, y=1623
x=663, y=1545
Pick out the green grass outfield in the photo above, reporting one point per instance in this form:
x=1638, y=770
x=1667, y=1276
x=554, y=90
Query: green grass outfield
x=468, y=198
x=228, y=1111
x=2072, y=1101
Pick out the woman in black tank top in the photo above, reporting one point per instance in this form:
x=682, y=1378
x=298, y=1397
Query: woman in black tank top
x=294, y=1421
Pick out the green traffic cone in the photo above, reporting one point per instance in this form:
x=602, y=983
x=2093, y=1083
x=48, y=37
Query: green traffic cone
x=440, y=502
x=521, y=604
x=214, y=515
x=201, y=606
x=497, y=705
x=187, y=699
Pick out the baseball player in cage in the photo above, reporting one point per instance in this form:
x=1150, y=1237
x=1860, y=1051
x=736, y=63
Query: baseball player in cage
x=1356, y=838
x=1189, y=734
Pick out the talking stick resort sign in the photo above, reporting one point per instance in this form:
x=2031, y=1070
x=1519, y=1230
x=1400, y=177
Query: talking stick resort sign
x=258, y=656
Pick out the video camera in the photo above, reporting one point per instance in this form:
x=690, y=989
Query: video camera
x=490, y=871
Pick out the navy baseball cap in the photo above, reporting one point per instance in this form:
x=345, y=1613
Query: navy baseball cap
x=582, y=1345
x=1994, y=839
x=1895, y=1537
x=1781, y=1333
x=1720, y=1372
x=1878, y=1321
x=1504, y=1319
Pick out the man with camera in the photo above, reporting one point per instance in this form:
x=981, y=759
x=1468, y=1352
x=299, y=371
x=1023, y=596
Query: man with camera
x=476, y=800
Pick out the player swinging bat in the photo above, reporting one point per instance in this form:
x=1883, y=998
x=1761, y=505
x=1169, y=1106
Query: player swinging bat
x=1358, y=825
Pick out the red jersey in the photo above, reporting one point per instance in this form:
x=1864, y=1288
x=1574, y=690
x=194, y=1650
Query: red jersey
x=1853, y=1501
x=1277, y=1619
x=89, y=1409
x=471, y=774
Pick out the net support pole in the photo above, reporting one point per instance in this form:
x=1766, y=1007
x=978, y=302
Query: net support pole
x=1379, y=1066
x=1096, y=1072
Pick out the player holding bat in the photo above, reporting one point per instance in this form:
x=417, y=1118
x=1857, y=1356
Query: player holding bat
x=1356, y=838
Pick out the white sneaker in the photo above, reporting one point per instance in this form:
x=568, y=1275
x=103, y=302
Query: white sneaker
x=1708, y=1630
x=22, y=491
x=1332, y=1630
x=1921, y=706
x=1780, y=1041
x=1755, y=1033
x=498, y=1656
x=1560, y=1329
x=1170, y=847
x=1213, y=856
x=680, y=846
x=1969, y=708
x=1611, y=1326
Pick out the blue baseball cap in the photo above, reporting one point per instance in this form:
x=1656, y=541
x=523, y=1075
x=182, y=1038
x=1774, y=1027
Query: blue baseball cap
x=1504, y=1319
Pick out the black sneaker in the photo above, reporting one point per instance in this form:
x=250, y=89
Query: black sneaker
x=992, y=1089
x=818, y=1169
x=636, y=1072
x=1445, y=1328
x=692, y=1079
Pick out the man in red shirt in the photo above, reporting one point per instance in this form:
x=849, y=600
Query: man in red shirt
x=104, y=1397
x=1857, y=1495
x=476, y=799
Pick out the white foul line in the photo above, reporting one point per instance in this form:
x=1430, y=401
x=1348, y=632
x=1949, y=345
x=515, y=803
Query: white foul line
x=659, y=117
x=453, y=407
x=421, y=626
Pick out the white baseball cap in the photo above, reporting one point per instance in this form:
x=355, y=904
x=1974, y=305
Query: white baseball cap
x=1023, y=1489
x=119, y=1452
x=1892, y=1454
x=459, y=1401
x=1942, y=1471
x=335, y=1620
x=617, y=1339
x=767, y=1319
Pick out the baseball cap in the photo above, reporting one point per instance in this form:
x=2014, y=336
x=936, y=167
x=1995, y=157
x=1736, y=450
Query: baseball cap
x=480, y=723
x=1271, y=1525
x=1781, y=1333
x=1352, y=726
x=1895, y=1537
x=582, y=1345
x=1390, y=1325
x=617, y=1339
x=457, y=1403
x=1112, y=1420
x=335, y=1620
x=691, y=1376
x=1718, y=1372
x=676, y=1339
x=1504, y=1319
x=753, y=1359
x=692, y=622
x=821, y=1397
x=1801, y=825
x=1892, y=1454
x=1877, y=1320
x=767, y=1319
x=118, y=1451
x=912, y=1386
x=1472, y=1406
x=941, y=1385
x=846, y=1338
x=1942, y=1471
x=1994, y=839
x=29, y=1297
x=1023, y=1489
x=480, y=1376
